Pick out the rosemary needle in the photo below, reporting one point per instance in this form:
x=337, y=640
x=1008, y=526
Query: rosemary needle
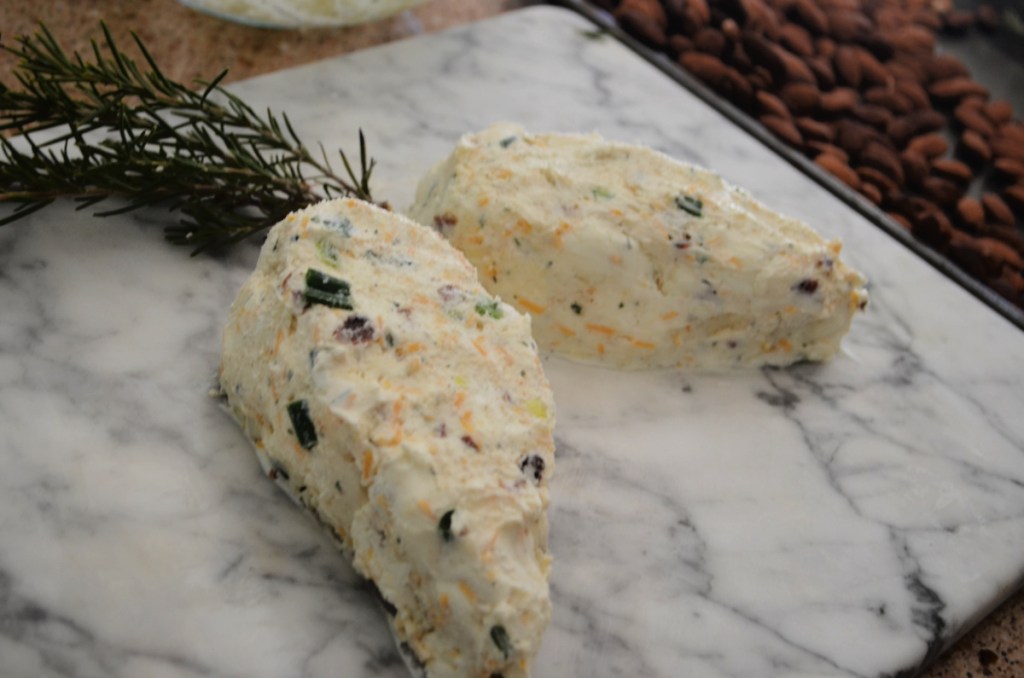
x=102, y=127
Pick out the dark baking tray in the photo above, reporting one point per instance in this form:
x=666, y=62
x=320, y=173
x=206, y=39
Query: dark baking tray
x=604, y=21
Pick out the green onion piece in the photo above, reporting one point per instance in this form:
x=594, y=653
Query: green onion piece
x=327, y=290
x=500, y=637
x=576, y=308
x=326, y=299
x=690, y=204
x=305, y=430
x=445, y=526
x=490, y=308
x=507, y=141
x=318, y=280
x=600, y=192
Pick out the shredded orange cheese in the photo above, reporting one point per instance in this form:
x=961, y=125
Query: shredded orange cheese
x=601, y=329
x=530, y=306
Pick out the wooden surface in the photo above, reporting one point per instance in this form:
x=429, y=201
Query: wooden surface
x=191, y=45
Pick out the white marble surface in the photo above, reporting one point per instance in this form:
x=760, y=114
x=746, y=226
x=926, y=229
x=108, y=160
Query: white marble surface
x=838, y=520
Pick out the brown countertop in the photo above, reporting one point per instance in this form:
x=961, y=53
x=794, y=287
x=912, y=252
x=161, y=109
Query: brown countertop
x=191, y=45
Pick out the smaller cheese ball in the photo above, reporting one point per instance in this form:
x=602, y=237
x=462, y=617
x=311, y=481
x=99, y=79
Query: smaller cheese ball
x=630, y=259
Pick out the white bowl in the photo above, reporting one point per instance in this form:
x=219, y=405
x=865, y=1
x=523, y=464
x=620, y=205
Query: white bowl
x=301, y=13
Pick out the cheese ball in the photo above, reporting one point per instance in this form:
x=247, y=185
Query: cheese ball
x=406, y=409
x=628, y=258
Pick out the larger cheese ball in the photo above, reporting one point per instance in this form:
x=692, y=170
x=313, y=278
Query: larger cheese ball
x=406, y=408
x=628, y=258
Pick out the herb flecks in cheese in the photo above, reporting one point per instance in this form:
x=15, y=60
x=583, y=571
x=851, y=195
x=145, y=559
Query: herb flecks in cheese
x=628, y=258
x=400, y=414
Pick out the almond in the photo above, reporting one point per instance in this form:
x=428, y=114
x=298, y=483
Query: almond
x=872, y=70
x=782, y=128
x=954, y=89
x=1009, y=169
x=838, y=101
x=764, y=53
x=709, y=41
x=996, y=210
x=871, y=192
x=903, y=72
x=899, y=219
x=813, y=130
x=954, y=170
x=691, y=15
x=915, y=167
x=810, y=15
x=731, y=30
x=800, y=97
x=825, y=47
x=933, y=227
x=928, y=18
x=974, y=119
x=971, y=212
x=847, y=66
x=913, y=63
x=761, y=18
x=943, y=191
x=973, y=148
x=796, y=39
x=651, y=9
x=983, y=257
x=822, y=148
x=945, y=66
x=915, y=93
x=877, y=45
x=999, y=112
x=918, y=122
x=760, y=79
x=704, y=66
x=890, y=16
x=876, y=116
x=796, y=69
x=641, y=24
x=821, y=67
x=769, y=104
x=847, y=26
x=678, y=44
x=1006, y=147
x=839, y=169
x=853, y=137
x=1014, y=196
x=891, y=99
x=910, y=38
x=929, y=145
x=883, y=159
x=880, y=179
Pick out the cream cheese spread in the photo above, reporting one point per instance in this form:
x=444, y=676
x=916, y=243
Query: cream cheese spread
x=406, y=408
x=626, y=257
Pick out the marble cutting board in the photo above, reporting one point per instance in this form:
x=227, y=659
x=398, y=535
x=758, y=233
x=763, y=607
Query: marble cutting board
x=850, y=519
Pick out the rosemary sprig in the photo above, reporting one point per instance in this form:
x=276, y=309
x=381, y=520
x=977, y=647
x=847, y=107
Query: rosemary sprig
x=104, y=127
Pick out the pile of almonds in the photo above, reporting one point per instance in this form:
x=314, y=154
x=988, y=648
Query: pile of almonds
x=857, y=85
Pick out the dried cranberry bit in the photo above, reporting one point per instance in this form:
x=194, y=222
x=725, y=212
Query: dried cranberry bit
x=533, y=465
x=356, y=329
x=468, y=440
x=807, y=286
x=441, y=221
x=450, y=292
